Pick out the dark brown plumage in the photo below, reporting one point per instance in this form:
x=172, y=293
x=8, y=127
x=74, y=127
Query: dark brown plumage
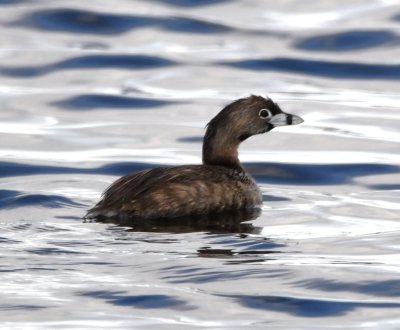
x=220, y=184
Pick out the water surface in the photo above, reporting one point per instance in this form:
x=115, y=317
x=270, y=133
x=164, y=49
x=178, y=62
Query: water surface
x=93, y=91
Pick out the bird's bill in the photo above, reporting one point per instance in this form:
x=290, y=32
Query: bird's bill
x=283, y=119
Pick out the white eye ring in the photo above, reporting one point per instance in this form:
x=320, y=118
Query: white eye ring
x=265, y=114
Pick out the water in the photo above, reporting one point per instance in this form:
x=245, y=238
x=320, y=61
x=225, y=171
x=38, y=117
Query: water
x=94, y=90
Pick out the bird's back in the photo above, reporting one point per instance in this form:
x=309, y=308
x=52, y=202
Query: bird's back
x=182, y=190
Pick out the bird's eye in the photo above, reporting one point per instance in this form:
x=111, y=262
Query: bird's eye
x=265, y=114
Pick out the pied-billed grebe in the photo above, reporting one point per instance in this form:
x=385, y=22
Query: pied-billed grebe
x=219, y=184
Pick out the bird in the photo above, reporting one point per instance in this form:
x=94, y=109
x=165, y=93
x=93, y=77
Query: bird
x=217, y=185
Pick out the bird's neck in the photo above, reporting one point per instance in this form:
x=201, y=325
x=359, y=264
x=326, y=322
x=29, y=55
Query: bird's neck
x=220, y=148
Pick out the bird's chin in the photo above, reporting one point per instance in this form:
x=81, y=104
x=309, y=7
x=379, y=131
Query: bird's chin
x=268, y=128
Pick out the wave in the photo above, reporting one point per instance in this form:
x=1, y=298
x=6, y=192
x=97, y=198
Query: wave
x=91, y=22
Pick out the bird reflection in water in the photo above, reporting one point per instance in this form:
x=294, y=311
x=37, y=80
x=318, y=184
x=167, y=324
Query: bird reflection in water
x=224, y=222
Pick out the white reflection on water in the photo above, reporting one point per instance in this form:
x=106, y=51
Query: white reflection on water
x=158, y=156
x=180, y=156
x=324, y=18
x=31, y=128
x=48, y=125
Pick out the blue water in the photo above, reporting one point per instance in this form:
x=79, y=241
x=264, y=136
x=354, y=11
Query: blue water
x=92, y=91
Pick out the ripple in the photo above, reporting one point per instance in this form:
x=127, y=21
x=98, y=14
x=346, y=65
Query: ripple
x=387, y=288
x=126, y=62
x=120, y=298
x=325, y=249
x=191, y=139
x=8, y=194
x=396, y=17
x=247, y=244
x=45, y=228
x=7, y=240
x=307, y=307
x=96, y=101
x=17, y=169
x=90, y=22
x=338, y=70
x=349, y=40
x=247, y=248
x=53, y=251
x=277, y=173
x=199, y=275
x=316, y=174
x=191, y=3
x=270, y=198
x=10, y=199
x=387, y=186
x=81, y=21
x=19, y=227
x=210, y=252
x=11, y=2
x=189, y=25
x=21, y=307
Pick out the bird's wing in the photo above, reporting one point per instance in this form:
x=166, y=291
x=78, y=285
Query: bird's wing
x=134, y=186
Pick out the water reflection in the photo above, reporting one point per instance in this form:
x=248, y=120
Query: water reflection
x=10, y=199
x=9, y=169
x=307, y=307
x=11, y=2
x=195, y=275
x=190, y=3
x=224, y=222
x=25, y=308
x=276, y=173
x=121, y=298
x=126, y=62
x=348, y=40
x=85, y=21
x=191, y=139
x=384, y=288
x=229, y=253
x=97, y=101
x=321, y=68
x=315, y=174
x=387, y=186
